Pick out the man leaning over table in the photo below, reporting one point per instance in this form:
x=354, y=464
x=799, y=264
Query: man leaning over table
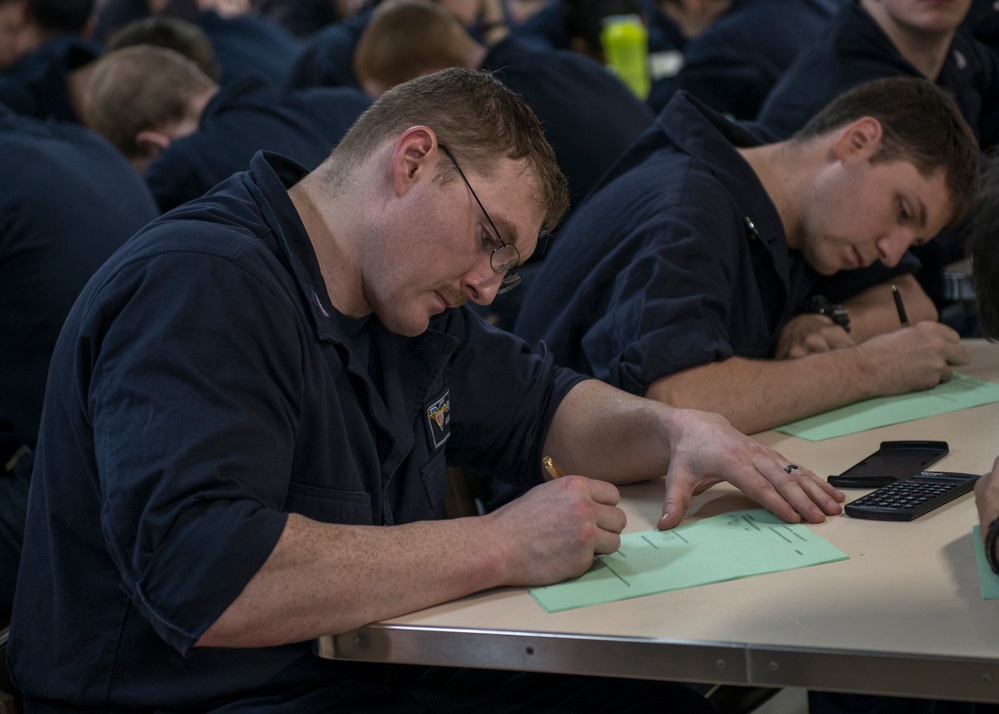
x=252, y=406
x=687, y=275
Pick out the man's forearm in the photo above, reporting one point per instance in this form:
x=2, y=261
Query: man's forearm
x=325, y=578
x=605, y=433
x=756, y=395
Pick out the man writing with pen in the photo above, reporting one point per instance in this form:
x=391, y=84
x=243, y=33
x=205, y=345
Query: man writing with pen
x=251, y=411
x=712, y=269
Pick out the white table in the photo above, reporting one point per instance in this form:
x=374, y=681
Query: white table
x=902, y=616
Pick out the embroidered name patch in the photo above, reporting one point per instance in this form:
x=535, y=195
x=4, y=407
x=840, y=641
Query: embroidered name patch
x=439, y=420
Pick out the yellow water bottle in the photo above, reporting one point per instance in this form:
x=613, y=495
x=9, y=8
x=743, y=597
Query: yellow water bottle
x=625, y=43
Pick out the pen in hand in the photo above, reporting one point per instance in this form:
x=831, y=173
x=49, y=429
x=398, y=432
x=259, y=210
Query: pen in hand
x=900, y=306
x=551, y=468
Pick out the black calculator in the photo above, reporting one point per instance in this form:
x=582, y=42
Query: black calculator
x=908, y=499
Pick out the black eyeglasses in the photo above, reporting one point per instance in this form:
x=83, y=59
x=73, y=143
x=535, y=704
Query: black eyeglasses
x=505, y=257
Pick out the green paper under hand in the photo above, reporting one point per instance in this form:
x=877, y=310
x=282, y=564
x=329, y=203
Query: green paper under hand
x=960, y=393
x=726, y=547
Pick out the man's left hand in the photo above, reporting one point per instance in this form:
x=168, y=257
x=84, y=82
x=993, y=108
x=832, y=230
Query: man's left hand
x=811, y=333
x=707, y=450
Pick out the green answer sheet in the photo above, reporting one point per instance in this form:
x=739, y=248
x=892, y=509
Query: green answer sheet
x=960, y=393
x=733, y=545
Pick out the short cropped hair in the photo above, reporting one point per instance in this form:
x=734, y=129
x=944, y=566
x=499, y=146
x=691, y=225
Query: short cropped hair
x=407, y=39
x=921, y=124
x=983, y=246
x=173, y=33
x=139, y=88
x=61, y=15
x=475, y=116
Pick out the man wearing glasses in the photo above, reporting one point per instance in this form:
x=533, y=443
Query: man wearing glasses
x=251, y=411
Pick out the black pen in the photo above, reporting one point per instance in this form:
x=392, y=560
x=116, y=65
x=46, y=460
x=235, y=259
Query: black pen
x=900, y=306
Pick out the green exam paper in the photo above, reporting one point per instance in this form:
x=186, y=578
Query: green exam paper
x=726, y=547
x=960, y=393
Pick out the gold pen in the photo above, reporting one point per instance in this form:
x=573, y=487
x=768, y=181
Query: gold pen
x=551, y=468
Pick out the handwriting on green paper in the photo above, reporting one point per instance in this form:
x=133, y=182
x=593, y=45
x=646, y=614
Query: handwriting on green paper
x=960, y=393
x=726, y=547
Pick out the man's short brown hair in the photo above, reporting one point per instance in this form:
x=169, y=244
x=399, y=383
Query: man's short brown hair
x=921, y=124
x=475, y=116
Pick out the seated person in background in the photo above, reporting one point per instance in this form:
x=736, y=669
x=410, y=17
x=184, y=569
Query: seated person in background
x=304, y=17
x=871, y=39
x=681, y=278
x=737, y=50
x=172, y=33
x=244, y=42
x=252, y=409
x=68, y=200
x=186, y=134
x=14, y=40
x=984, y=250
x=328, y=58
x=47, y=82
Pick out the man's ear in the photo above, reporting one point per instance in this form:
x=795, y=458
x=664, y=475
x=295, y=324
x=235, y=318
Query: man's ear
x=414, y=158
x=153, y=141
x=859, y=139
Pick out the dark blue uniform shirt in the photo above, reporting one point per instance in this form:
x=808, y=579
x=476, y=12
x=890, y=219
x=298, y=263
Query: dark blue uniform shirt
x=677, y=259
x=856, y=50
x=244, y=117
x=250, y=44
x=36, y=86
x=68, y=199
x=589, y=116
x=327, y=60
x=243, y=44
x=204, y=388
x=737, y=60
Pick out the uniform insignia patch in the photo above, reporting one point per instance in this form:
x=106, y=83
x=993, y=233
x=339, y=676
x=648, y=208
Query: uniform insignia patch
x=439, y=419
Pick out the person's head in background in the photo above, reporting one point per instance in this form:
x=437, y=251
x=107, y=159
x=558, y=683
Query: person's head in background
x=173, y=33
x=983, y=247
x=411, y=38
x=584, y=21
x=13, y=40
x=913, y=18
x=26, y=24
x=142, y=98
x=919, y=30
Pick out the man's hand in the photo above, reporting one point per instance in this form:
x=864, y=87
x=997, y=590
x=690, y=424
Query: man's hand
x=553, y=531
x=987, y=497
x=810, y=333
x=914, y=358
x=706, y=450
